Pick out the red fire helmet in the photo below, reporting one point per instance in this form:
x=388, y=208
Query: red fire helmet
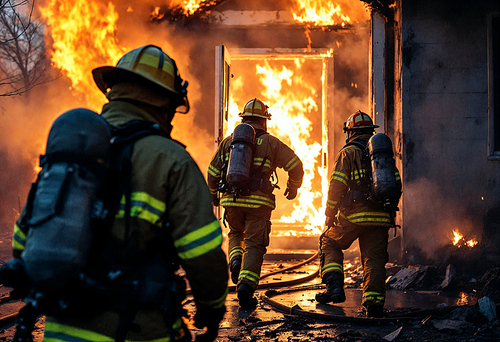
x=358, y=120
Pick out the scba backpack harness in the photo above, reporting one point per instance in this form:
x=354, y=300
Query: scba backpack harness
x=239, y=176
x=378, y=188
x=86, y=172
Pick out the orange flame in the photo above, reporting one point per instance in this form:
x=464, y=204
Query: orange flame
x=463, y=300
x=320, y=13
x=456, y=237
x=157, y=14
x=191, y=6
x=83, y=35
x=458, y=240
x=290, y=123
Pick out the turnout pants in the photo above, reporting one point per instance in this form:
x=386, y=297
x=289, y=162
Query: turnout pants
x=248, y=236
x=373, y=241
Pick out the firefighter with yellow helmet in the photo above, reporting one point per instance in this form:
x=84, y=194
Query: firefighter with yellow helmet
x=352, y=214
x=170, y=205
x=248, y=204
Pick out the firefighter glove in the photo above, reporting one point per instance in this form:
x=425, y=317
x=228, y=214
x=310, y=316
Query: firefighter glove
x=330, y=221
x=290, y=193
x=208, y=317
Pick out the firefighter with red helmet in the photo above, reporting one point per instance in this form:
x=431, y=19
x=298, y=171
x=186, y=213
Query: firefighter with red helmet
x=248, y=209
x=351, y=215
x=170, y=206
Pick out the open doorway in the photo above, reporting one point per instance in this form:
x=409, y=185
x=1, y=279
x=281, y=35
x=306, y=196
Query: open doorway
x=297, y=86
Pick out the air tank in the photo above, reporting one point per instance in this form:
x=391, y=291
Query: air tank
x=241, y=156
x=382, y=163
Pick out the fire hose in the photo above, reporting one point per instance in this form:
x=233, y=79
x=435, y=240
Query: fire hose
x=297, y=311
x=286, y=269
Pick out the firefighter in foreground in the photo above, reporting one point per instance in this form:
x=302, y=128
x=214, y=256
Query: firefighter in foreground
x=241, y=171
x=353, y=213
x=170, y=202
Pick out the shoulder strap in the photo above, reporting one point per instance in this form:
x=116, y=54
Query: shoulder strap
x=123, y=140
x=357, y=142
x=135, y=130
x=260, y=132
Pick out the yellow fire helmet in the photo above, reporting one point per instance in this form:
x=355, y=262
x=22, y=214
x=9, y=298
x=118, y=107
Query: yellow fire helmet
x=256, y=108
x=148, y=62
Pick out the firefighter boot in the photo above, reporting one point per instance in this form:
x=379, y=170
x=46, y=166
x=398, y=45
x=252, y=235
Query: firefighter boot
x=334, y=289
x=245, y=296
x=374, y=311
x=235, y=269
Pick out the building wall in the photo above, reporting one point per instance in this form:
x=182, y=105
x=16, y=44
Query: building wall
x=449, y=181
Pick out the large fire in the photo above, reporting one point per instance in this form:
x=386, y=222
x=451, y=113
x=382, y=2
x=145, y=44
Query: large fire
x=84, y=35
x=292, y=100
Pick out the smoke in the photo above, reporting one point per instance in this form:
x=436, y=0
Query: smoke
x=431, y=218
x=26, y=120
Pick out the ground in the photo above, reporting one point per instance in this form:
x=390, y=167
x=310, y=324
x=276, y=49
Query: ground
x=290, y=313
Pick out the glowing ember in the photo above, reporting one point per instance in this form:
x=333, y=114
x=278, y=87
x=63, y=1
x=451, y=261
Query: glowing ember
x=471, y=243
x=463, y=300
x=459, y=241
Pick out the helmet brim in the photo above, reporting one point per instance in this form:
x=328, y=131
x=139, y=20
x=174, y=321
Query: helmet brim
x=106, y=76
x=244, y=115
x=345, y=129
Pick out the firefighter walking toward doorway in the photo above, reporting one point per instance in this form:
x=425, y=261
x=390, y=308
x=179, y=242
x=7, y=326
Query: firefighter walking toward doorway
x=242, y=171
x=164, y=224
x=352, y=214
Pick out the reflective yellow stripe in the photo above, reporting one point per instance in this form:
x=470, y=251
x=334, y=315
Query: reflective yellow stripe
x=213, y=171
x=339, y=176
x=252, y=201
x=398, y=177
x=332, y=267
x=200, y=241
x=258, y=162
x=144, y=207
x=292, y=164
x=19, y=238
x=357, y=174
x=217, y=303
x=55, y=332
x=252, y=276
x=235, y=252
x=224, y=157
x=369, y=217
x=331, y=204
x=213, y=191
x=373, y=298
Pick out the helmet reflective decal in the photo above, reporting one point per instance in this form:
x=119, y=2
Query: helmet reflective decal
x=359, y=120
x=255, y=108
x=150, y=63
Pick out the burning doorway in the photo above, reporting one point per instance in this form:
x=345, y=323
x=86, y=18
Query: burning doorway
x=296, y=84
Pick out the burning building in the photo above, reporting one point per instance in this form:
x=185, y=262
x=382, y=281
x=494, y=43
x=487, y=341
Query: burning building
x=427, y=71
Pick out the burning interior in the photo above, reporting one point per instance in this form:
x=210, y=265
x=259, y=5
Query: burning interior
x=302, y=113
